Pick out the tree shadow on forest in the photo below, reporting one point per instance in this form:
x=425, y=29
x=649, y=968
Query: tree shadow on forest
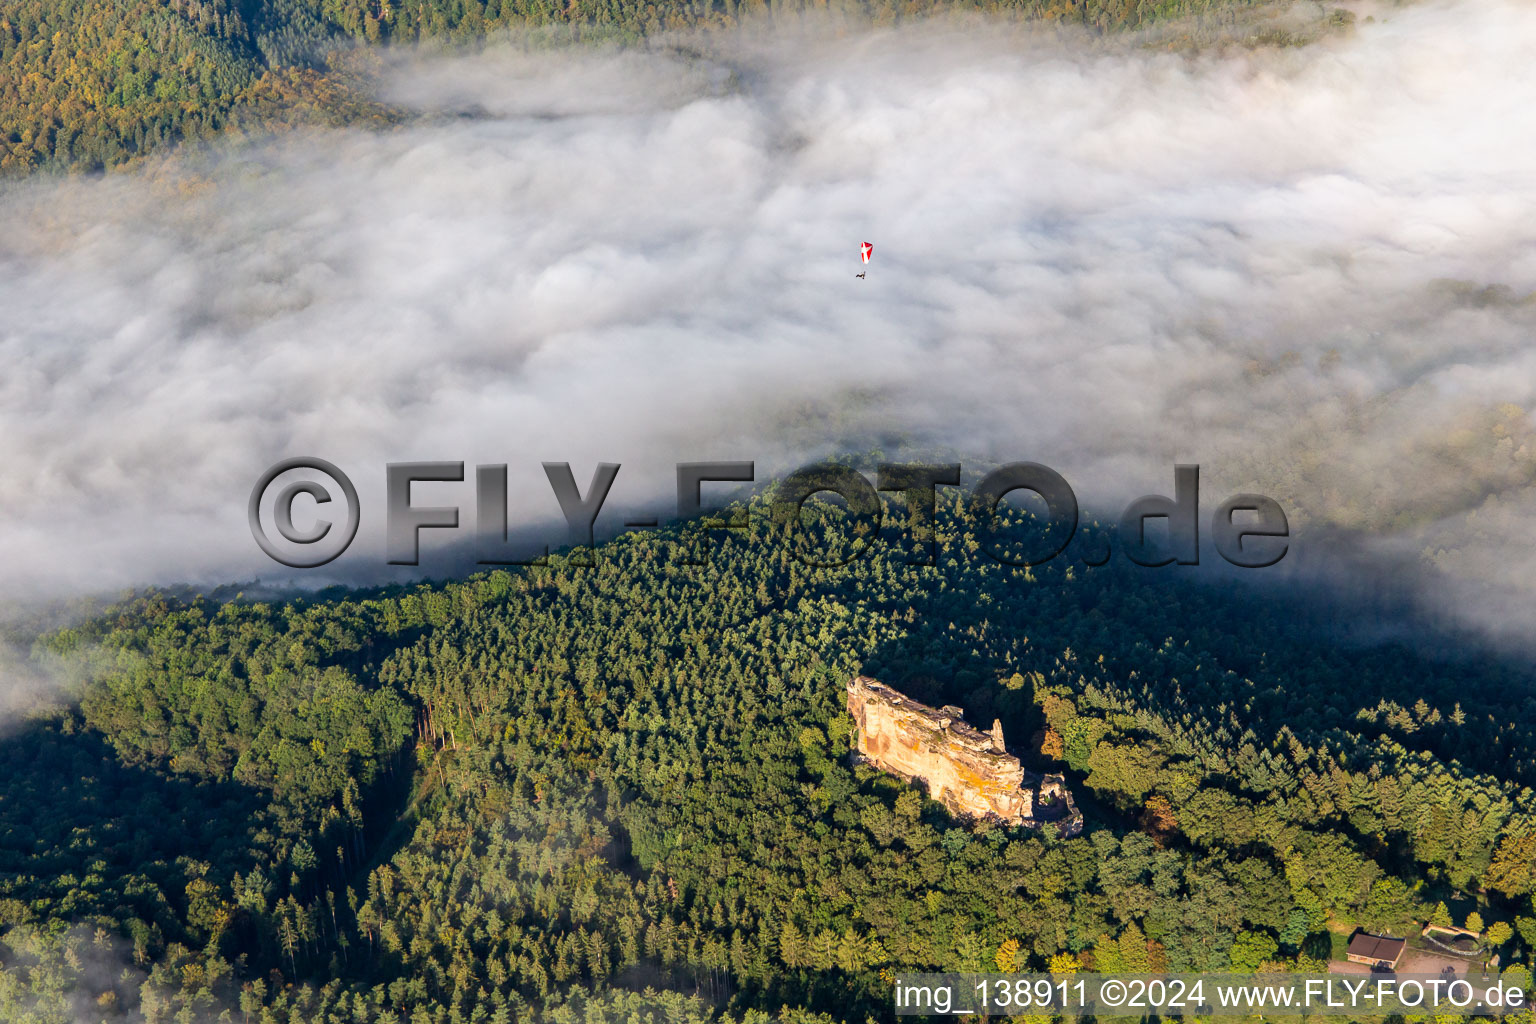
x=98, y=841
x=1318, y=652
x=1266, y=653
x=95, y=839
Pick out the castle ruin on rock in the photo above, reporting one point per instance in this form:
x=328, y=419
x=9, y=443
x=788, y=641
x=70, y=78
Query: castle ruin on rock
x=969, y=771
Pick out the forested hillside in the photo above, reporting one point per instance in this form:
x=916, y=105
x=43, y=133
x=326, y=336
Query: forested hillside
x=92, y=84
x=540, y=793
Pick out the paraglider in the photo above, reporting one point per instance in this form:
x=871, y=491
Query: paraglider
x=865, y=251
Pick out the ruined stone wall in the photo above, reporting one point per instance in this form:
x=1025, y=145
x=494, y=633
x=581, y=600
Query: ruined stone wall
x=967, y=770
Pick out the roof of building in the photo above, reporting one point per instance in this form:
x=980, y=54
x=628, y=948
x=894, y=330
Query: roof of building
x=1376, y=947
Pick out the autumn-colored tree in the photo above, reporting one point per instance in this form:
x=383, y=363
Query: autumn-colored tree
x=1158, y=820
x=1007, y=957
x=1051, y=745
x=1064, y=963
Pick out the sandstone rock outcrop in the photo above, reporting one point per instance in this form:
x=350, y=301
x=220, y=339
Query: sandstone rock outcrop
x=967, y=770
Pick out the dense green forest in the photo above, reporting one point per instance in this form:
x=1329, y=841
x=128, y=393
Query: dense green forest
x=623, y=791
x=93, y=84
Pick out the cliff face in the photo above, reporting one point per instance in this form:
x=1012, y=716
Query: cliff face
x=967, y=770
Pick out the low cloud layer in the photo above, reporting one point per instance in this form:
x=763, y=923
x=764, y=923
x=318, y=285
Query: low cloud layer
x=1309, y=270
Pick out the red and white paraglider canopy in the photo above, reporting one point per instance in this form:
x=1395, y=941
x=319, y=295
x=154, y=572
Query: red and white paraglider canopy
x=864, y=251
